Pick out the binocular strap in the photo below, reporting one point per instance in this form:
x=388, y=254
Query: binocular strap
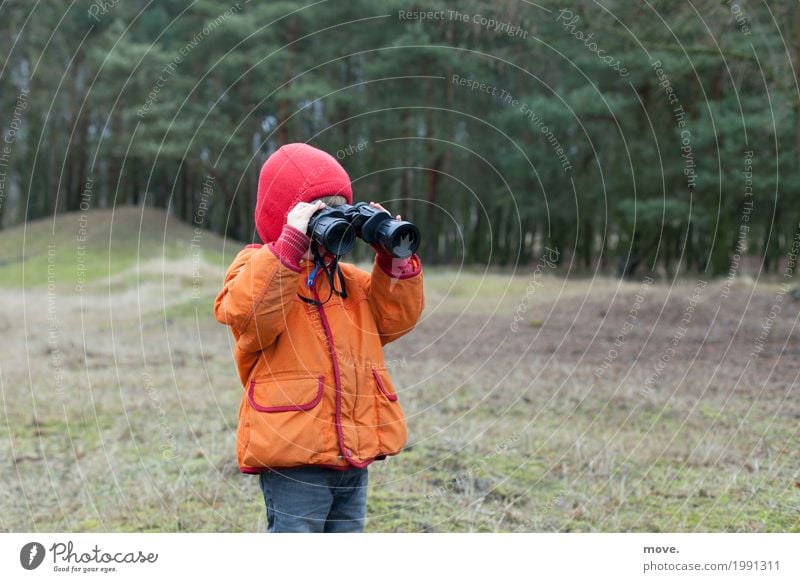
x=332, y=272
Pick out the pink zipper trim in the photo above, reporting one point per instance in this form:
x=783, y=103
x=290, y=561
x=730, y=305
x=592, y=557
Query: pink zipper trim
x=379, y=382
x=284, y=407
x=346, y=452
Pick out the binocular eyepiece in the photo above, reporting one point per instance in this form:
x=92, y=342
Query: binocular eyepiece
x=337, y=227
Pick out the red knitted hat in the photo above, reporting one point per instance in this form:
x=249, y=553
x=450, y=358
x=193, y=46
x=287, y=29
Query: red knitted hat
x=295, y=173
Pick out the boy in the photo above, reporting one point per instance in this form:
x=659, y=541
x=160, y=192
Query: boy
x=318, y=405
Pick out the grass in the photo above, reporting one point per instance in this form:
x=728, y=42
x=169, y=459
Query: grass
x=119, y=403
x=78, y=248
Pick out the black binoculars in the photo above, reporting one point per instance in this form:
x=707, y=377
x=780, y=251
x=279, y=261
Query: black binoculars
x=336, y=229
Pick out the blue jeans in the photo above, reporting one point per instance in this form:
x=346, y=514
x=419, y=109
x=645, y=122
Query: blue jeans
x=315, y=499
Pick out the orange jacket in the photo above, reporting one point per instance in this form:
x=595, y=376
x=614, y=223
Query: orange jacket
x=316, y=390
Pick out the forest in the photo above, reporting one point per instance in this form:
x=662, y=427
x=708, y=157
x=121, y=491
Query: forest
x=637, y=136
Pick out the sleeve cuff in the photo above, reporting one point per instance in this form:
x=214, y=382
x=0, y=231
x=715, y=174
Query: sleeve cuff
x=291, y=246
x=399, y=268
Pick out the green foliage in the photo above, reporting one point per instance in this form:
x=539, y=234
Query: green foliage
x=564, y=132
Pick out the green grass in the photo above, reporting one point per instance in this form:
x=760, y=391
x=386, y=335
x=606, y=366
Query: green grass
x=119, y=450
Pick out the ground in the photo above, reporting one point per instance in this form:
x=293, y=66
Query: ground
x=536, y=400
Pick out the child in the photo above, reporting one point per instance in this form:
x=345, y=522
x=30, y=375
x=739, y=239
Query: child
x=318, y=405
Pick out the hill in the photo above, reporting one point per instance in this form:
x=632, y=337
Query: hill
x=79, y=248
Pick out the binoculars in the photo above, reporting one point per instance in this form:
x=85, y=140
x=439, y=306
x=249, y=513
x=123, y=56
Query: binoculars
x=336, y=229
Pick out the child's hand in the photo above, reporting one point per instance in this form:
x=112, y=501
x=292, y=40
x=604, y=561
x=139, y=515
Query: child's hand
x=379, y=207
x=299, y=216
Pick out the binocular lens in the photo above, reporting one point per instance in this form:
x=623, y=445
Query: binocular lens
x=335, y=234
x=340, y=238
x=400, y=238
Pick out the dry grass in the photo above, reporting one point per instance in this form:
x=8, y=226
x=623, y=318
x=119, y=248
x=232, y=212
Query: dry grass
x=119, y=403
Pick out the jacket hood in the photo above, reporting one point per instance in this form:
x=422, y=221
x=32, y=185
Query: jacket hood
x=296, y=172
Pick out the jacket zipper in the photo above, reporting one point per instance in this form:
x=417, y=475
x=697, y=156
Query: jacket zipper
x=338, y=384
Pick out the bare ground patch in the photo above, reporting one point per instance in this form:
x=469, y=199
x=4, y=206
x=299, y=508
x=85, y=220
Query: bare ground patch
x=119, y=409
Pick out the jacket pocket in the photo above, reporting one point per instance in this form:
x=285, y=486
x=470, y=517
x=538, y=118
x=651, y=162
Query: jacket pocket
x=286, y=395
x=381, y=387
x=286, y=421
x=390, y=423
